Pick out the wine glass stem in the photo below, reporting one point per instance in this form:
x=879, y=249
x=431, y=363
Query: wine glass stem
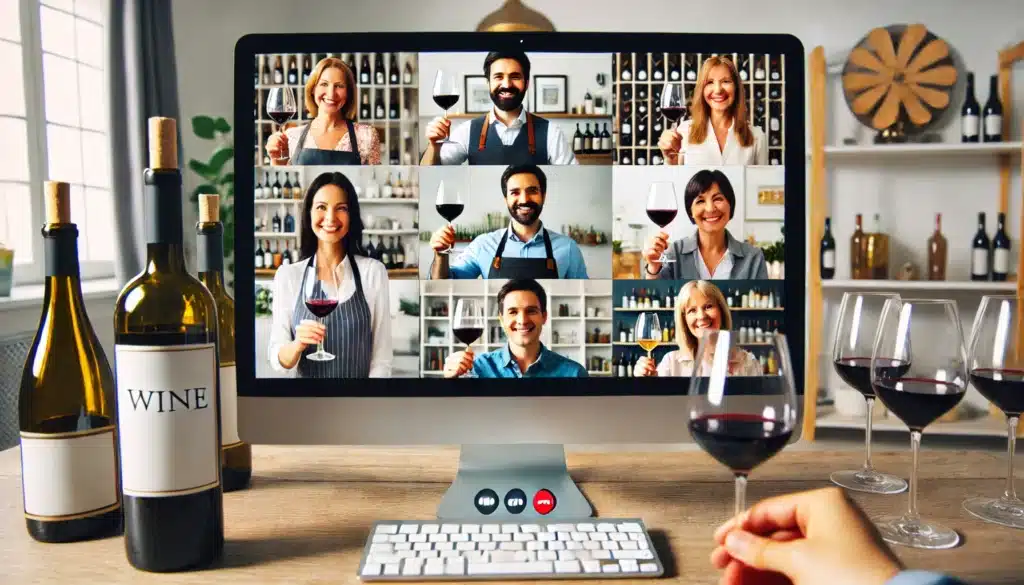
x=320, y=344
x=915, y=448
x=1011, y=442
x=741, y=493
x=867, y=433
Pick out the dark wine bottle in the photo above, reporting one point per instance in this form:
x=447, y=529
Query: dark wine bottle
x=278, y=71
x=1000, y=250
x=258, y=256
x=828, y=252
x=307, y=68
x=980, y=251
x=266, y=75
x=236, y=456
x=970, y=113
x=588, y=140
x=393, y=70
x=407, y=74
x=66, y=403
x=992, y=115
x=293, y=71
x=378, y=69
x=168, y=395
x=577, y=140
x=268, y=254
x=275, y=224
x=289, y=223
x=364, y=70
x=275, y=189
x=400, y=254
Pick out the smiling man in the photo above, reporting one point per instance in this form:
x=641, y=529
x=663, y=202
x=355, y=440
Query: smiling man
x=498, y=137
x=523, y=313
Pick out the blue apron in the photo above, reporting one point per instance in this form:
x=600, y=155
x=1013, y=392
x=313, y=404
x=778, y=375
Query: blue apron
x=323, y=157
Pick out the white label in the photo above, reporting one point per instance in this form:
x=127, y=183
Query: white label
x=979, y=261
x=828, y=259
x=993, y=125
x=228, y=406
x=69, y=475
x=970, y=125
x=1001, y=261
x=167, y=418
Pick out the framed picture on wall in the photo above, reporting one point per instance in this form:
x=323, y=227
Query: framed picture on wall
x=766, y=202
x=478, y=94
x=550, y=94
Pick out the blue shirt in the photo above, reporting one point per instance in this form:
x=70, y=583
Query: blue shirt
x=475, y=260
x=500, y=364
x=923, y=578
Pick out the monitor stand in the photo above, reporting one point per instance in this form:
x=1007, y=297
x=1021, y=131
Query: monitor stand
x=519, y=483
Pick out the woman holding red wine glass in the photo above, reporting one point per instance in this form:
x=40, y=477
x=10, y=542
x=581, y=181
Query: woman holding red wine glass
x=919, y=371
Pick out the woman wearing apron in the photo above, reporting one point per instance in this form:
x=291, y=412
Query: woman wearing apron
x=357, y=333
x=331, y=138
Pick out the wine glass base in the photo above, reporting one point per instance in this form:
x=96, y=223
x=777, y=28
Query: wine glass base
x=320, y=356
x=871, y=482
x=997, y=511
x=899, y=530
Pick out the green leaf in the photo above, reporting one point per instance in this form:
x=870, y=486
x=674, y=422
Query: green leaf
x=219, y=159
x=203, y=170
x=203, y=127
x=227, y=179
x=201, y=190
x=221, y=125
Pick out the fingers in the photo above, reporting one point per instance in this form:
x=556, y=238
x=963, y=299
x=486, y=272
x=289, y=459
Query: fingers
x=439, y=129
x=762, y=553
x=443, y=238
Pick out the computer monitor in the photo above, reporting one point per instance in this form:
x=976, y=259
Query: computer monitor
x=533, y=157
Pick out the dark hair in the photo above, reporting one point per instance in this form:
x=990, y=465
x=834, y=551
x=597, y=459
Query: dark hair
x=517, y=56
x=525, y=284
x=353, y=240
x=701, y=182
x=527, y=168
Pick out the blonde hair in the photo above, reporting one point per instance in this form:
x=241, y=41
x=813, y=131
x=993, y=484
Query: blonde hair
x=699, y=111
x=684, y=337
x=348, y=112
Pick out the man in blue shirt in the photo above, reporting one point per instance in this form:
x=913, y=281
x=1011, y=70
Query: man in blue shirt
x=525, y=249
x=523, y=313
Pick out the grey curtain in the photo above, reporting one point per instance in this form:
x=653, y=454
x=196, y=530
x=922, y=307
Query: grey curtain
x=143, y=82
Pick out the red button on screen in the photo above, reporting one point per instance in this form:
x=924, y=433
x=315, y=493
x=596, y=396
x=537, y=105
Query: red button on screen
x=543, y=502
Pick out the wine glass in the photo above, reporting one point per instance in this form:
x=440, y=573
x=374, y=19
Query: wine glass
x=662, y=208
x=449, y=205
x=859, y=314
x=281, y=107
x=446, y=93
x=673, y=104
x=918, y=387
x=647, y=332
x=468, y=322
x=741, y=421
x=321, y=297
x=996, y=368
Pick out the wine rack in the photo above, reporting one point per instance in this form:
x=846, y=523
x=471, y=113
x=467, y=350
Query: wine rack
x=637, y=82
x=387, y=101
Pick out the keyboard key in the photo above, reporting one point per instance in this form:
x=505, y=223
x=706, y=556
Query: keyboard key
x=502, y=537
x=606, y=527
x=535, y=567
x=610, y=568
x=547, y=555
x=573, y=545
x=599, y=536
x=530, y=528
x=372, y=569
x=511, y=546
x=546, y=536
x=618, y=536
x=381, y=548
x=460, y=537
x=630, y=527
x=412, y=567
x=601, y=555
x=487, y=545
x=403, y=546
x=567, y=566
x=387, y=529
x=629, y=545
x=629, y=566
x=441, y=537
x=429, y=529
x=592, y=566
x=610, y=545
x=579, y=536
x=566, y=555
x=556, y=545
x=434, y=567
x=509, y=528
x=585, y=527
x=455, y=566
x=398, y=538
x=470, y=528
x=391, y=569
x=490, y=529
x=648, y=568
x=449, y=528
x=409, y=529
x=462, y=546
x=480, y=537
x=523, y=537
x=591, y=544
x=643, y=555
x=637, y=536
x=420, y=537
x=379, y=537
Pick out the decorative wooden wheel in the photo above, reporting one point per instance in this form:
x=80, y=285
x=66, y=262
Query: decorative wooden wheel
x=899, y=77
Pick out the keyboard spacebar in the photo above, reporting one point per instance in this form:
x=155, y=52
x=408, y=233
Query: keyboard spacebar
x=510, y=568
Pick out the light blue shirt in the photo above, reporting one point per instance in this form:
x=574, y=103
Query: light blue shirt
x=923, y=578
x=500, y=364
x=475, y=260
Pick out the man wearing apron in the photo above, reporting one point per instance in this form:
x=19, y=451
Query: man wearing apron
x=324, y=157
x=349, y=334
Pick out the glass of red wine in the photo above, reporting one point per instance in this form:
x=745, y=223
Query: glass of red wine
x=996, y=367
x=741, y=421
x=449, y=206
x=281, y=106
x=859, y=315
x=673, y=104
x=446, y=92
x=918, y=387
x=468, y=322
x=321, y=297
x=662, y=208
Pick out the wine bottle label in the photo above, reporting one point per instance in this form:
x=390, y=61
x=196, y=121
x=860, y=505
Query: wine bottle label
x=993, y=125
x=229, y=406
x=979, y=261
x=66, y=476
x=828, y=259
x=1001, y=261
x=970, y=125
x=167, y=419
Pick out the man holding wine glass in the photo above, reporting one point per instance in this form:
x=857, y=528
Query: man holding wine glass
x=523, y=313
x=497, y=137
x=525, y=249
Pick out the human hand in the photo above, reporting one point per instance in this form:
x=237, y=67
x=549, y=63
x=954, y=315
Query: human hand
x=439, y=129
x=443, y=239
x=670, y=142
x=807, y=538
x=644, y=367
x=277, y=146
x=653, y=249
x=309, y=332
x=458, y=363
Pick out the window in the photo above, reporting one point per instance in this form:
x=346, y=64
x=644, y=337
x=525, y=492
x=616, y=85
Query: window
x=56, y=129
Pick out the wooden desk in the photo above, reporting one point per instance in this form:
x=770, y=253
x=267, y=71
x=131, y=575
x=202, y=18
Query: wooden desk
x=306, y=517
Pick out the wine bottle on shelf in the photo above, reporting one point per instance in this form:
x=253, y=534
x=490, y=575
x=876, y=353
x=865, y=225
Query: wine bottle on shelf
x=296, y=187
x=364, y=70
x=588, y=103
x=286, y=256
x=1000, y=250
x=293, y=71
x=307, y=68
x=877, y=251
x=937, y=255
x=577, y=140
x=393, y=75
x=236, y=456
x=268, y=255
x=980, y=251
x=970, y=113
x=66, y=402
x=858, y=240
x=168, y=392
x=378, y=69
x=828, y=252
x=265, y=75
x=277, y=264
x=278, y=70
x=289, y=222
x=399, y=254
x=407, y=74
x=286, y=189
x=275, y=189
x=588, y=140
x=258, y=256
x=378, y=112
x=364, y=107
x=275, y=224
x=992, y=114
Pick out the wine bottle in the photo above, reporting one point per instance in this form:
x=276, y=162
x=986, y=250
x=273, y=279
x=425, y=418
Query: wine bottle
x=378, y=69
x=307, y=68
x=992, y=115
x=858, y=242
x=258, y=256
x=970, y=113
x=364, y=70
x=400, y=254
x=1000, y=250
x=236, y=456
x=275, y=224
x=625, y=70
x=980, y=251
x=877, y=251
x=278, y=71
x=407, y=74
x=275, y=189
x=577, y=140
x=588, y=140
x=66, y=402
x=828, y=252
x=378, y=111
x=168, y=403
x=266, y=75
x=588, y=103
x=937, y=254
x=293, y=71
x=268, y=255
x=393, y=70
x=364, y=107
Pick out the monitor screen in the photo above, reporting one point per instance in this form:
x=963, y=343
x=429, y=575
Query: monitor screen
x=425, y=219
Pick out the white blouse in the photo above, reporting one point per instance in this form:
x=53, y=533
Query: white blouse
x=678, y=363
x=709, y=153
x=374, y=276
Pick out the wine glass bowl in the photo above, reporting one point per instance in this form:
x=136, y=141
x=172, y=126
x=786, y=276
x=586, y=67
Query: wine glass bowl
x=321, y=298
x=469, y=321
x=449, y=205
x=673, y=104
x=281, y=106
x=662, y=208
x=859, y=314
x=647, y=332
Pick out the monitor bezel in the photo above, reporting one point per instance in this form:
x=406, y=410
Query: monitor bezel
x=795, y=211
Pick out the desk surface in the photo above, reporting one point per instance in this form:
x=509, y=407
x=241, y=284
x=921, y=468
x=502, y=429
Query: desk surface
x=307, y=515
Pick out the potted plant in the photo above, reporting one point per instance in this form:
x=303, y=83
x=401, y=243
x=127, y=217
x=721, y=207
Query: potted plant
x=218, y=177
x=775, y=257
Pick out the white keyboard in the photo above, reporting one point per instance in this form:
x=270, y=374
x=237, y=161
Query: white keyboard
x=422, y=550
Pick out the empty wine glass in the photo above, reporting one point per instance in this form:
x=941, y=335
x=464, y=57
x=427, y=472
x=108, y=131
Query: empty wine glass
x=662, y=207
x=647, y=332
x=321, y=298
x=449, y=206
x=446, y=93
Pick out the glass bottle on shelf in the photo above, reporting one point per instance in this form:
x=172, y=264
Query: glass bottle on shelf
x=937, y=252
x=877, y=254
x=1000, y=250
x=858, y=242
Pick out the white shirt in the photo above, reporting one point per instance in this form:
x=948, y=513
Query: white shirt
x=374, y=276
x=709, y=153
x=722, y=271
x=678, y=363
x=457, y=151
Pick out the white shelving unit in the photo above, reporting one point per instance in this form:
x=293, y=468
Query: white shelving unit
x=981, y=286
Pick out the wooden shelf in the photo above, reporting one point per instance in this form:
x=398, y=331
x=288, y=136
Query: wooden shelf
x=924, y=149
x=549, y=116
x=922, y=285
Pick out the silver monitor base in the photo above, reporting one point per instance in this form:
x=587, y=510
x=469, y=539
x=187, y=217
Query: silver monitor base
x=486, y=484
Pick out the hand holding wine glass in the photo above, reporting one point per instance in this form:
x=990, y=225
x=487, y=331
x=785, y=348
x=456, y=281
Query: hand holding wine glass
x=321, y=298
x=449, y=206
x=673, y=108
x=281, y=107
x=662, y=208
x=647, y=332
x=446, y=95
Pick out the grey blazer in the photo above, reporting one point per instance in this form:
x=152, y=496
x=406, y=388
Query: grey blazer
x=747, y=261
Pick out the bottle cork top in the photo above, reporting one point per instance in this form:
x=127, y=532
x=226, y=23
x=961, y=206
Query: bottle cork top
x=209, y=208
x=163, y=143
x=58, y=202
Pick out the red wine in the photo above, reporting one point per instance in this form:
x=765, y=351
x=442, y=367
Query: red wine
x=446, y=101
x=281, y=117
x=741, y=442
x=450, y=211
x=673, y=113
x=1006, y=392
x=468, y=335
x=662, y=217
x=321, y=307
x=918, y=402
x=856, y=371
